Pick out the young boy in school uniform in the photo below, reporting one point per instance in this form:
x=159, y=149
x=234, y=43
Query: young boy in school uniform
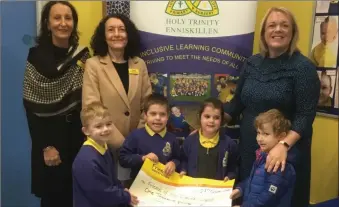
x=95, y=182
x=262, y=188
x=153, y=141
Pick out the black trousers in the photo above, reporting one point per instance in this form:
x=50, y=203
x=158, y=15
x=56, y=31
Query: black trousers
x=301, y=194
x=62, y=199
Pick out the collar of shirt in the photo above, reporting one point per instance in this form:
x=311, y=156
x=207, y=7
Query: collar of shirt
x=98, y=147
x=152, y=133
x=208, y=142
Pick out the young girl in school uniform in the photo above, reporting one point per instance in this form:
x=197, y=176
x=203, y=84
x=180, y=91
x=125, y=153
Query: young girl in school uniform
x=210, y=153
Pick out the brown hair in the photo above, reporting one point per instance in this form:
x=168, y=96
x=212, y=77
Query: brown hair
x=295, y=31
x=279, y=123
x=156, y=99
x=92, y=111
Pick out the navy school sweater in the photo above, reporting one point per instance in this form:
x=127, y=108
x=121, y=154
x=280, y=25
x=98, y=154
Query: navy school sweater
x=140, y=142
x=95, y=182
x=227, y=156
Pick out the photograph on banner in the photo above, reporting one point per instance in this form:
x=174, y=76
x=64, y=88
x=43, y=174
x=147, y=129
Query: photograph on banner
x=324, y=52
x=159, y=82
x=153, y=188
x=190, y=86
x=177, y=122
x=327, y=84
x=336, y=91
x=327, y=7
x=225, y=86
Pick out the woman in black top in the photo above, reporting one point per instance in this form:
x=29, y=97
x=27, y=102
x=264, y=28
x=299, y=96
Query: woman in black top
x=52, y=100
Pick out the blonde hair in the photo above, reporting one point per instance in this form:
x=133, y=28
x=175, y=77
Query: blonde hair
x=279, y=123
x=263, y=48
x=92, y=111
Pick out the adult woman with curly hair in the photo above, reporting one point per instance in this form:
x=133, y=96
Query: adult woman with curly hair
x=117, y=78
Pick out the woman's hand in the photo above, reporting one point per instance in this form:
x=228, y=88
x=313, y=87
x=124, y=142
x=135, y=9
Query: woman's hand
x=276, y=158
x=51, y=156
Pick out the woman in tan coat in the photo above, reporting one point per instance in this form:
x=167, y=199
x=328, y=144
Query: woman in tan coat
x=117, y=78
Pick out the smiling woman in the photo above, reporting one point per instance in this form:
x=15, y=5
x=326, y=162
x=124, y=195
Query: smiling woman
x=117, y=78
x=286, y=80
x=52, y=101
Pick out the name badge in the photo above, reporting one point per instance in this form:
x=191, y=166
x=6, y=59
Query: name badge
x=133, y=71
x=80, y=63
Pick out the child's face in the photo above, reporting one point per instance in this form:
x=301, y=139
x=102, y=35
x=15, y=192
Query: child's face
x=325, y=89
x=99, y=129
x=176, y=111
x=266, y=138
x=218, y=87
x=156, y=117
x=210, y=120
x=328, y=32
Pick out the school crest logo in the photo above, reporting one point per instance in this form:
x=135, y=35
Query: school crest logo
x=167, y=150
x=225, y=159
x=198, y=7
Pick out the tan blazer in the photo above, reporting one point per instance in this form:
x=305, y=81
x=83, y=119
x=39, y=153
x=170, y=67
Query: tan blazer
x=102, y=83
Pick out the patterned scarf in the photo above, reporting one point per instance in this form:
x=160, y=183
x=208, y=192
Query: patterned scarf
x=52, y=88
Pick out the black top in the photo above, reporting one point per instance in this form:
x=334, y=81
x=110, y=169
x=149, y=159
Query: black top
x=60, y=54
x=122, y=70
x=207, y=162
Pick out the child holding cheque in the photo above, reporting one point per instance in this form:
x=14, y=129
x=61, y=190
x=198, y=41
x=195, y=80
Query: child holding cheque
x=95, y=182
x=210, y=153
x=153, y=141
x=262, y=188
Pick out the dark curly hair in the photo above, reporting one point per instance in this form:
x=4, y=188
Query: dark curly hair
x=44, y=37
x=99, y=44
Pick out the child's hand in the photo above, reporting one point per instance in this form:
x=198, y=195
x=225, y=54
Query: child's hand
x=151, y=156
x=134, y=199
x=226, y=179
x=235, y=194
x=51, y=156
x=182, y=173
x=169, y=168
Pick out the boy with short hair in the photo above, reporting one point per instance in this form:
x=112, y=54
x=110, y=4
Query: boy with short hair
x=95, y=182
x=262, y=188
x=153, y=141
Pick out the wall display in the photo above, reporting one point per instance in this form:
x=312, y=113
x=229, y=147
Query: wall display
x=324, y=54
x=193, y=49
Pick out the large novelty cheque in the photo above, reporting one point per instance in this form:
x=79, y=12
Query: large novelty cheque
x=153, y=188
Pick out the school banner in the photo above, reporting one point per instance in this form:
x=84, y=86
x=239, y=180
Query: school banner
x=153, y=188
x=193, y=50
x=324, y=55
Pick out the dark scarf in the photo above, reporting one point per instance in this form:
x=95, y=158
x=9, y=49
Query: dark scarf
x=53, y=79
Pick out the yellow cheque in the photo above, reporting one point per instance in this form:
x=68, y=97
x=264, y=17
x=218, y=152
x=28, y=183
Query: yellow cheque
x=153, y=188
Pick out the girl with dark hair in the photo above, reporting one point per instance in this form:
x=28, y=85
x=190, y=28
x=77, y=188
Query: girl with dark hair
x=117, y=78
x=210, y=153
x=52, y=100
